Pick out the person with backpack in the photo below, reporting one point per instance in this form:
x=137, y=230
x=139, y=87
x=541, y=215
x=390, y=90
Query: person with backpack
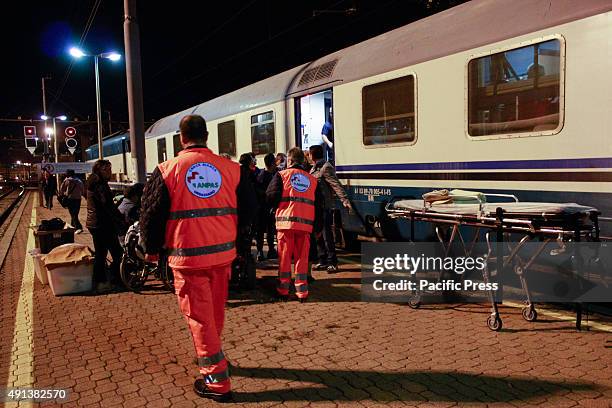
x=70, y=193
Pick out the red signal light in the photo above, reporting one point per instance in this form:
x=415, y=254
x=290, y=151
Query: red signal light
x=29, y=131
x=70, y=131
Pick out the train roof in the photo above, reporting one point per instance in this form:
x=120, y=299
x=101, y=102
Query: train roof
x=112, y=138
x=470, y=25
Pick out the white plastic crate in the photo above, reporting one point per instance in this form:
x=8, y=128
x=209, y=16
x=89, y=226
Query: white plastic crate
x=70, y=269
x=67, y=280
x=39, y=266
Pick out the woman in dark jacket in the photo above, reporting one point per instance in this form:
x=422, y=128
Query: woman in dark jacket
x=49, y=187
x=105, y=223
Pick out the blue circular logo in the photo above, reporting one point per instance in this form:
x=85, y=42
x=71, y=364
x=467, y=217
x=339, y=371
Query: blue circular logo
x=203, y=180
x=300, y=182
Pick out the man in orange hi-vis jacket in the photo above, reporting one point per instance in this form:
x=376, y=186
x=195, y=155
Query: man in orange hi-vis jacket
x=297, y=199
x=192, y=207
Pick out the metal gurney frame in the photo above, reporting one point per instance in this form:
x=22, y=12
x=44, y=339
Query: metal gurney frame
x=504, y=220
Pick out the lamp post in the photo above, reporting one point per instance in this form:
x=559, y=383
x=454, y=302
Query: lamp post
x=113, y=56
x=53, y=132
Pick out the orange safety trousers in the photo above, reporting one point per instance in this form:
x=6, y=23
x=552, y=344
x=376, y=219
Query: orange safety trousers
x=202, y=294
x=293, y=244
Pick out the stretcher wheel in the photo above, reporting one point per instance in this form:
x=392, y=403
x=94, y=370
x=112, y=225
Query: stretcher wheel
x=494, y=323
x=414, y=303
x=530, y=314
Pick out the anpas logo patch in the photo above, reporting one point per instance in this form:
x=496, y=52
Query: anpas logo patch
x=300, y=182
x=203, y=180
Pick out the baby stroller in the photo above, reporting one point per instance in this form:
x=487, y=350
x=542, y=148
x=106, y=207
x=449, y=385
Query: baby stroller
x=244, y=273
x=135, y=270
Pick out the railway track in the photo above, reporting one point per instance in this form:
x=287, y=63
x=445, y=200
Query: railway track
x=8, y=201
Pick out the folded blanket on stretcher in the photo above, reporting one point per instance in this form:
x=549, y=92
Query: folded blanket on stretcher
x=455, y=196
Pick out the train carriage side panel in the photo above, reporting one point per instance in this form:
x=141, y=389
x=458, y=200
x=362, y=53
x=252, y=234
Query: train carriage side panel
x=542, y=167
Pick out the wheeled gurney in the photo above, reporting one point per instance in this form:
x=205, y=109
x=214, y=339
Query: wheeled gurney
x=538, y=222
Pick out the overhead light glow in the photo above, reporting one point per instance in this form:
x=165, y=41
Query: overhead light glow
x=76, y=52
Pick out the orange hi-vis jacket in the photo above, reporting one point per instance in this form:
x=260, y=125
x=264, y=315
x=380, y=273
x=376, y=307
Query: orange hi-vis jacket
x=296, y=210
x=201, y=228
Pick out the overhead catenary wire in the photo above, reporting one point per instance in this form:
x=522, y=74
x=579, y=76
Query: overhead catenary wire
x=202, y=40
x=88, y=25
x=240, y=54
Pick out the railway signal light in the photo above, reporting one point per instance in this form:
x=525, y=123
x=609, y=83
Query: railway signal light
x=71, y=144
x=29, y=131
x=70, y=131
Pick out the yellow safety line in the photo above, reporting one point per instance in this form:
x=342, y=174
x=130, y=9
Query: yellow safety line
x=21, y=372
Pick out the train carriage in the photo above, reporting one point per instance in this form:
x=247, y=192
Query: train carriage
x=494, y=96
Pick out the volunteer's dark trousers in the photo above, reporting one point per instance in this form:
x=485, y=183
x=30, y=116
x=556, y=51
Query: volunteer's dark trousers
x=326, y=247
x=267, y=225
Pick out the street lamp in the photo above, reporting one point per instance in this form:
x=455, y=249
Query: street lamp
x=113, y=56
x=53, y=131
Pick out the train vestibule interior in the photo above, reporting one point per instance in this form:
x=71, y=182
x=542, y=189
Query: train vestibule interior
x=313, y=111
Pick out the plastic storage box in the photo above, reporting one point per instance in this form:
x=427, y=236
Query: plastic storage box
x=39, y=266
x=47, y=240
x=70, y=269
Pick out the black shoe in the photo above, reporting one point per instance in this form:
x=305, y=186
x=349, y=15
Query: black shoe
x=320, y=267
x=303, y=300
x=332, y=269
x=272, y=254
x=200, y=388
x=282, y=298
x=260, y=256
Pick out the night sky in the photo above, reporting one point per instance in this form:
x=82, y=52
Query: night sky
x=192, y=51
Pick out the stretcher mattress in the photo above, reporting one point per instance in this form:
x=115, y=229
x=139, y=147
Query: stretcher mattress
x=488, y=209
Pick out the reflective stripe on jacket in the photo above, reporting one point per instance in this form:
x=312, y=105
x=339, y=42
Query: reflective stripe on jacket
x=296, y=210
x=201, y=227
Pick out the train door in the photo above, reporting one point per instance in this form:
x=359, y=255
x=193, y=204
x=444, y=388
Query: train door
x=313, y=114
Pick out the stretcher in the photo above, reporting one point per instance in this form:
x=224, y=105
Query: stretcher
x=514, y=224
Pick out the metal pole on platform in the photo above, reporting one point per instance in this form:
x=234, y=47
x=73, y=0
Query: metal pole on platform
x=133, y=72
x=44, y=101
x=99, y=109
x=55, y=141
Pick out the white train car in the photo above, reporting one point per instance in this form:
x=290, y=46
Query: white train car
x=496, y=96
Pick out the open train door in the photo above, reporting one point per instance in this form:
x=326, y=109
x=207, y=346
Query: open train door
x=313, y=118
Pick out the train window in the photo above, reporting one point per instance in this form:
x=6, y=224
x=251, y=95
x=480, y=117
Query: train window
x=227, y=137
x=389, y=112
x=176, y=142
x=162, y=156
x=262, y=133
x=516, y=91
